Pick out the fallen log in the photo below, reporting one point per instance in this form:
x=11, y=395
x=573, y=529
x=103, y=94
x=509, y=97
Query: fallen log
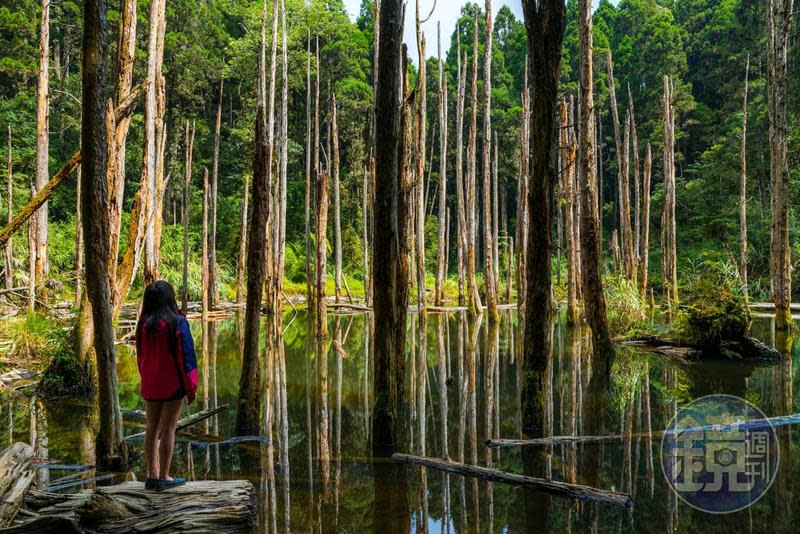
x=750, y=424
x=64, y=467
x=200, y=507
x=16, y=476
x=15, y=375
x=236, y=440
x=189, y=420
x=561, y=489
x=348, y=306
x=76, y=482
x=745, y=348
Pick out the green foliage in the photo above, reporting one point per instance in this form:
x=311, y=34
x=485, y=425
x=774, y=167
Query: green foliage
x=713, y=306
x=626, y=311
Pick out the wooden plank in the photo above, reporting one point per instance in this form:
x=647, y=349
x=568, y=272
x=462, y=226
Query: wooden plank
x=561, y=489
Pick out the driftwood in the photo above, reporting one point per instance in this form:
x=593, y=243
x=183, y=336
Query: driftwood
x=750, y=424
x=236, y=440
x=189, y=420
x=16, y=476
x=15, y=375
x=209, y=506
x=62, y=484
x=561, y=489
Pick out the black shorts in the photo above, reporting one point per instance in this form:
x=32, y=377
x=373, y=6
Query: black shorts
x=181, y=393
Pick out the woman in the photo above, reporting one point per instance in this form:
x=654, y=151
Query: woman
x=168, y=369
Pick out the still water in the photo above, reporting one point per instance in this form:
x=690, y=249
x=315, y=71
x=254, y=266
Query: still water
x=316, y=474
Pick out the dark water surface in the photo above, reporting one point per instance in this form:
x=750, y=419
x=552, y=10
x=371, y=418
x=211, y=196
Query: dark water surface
x=316, y=473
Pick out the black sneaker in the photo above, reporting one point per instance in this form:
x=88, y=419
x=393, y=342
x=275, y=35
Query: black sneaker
x=162, y=485
x=151, y=484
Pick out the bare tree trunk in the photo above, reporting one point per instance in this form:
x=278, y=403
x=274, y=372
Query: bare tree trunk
x=490, y=280
x=240, y=264
x=544, y=22
x=205, y=260
x=522, y=194
x=187, y=180
x=10, y=212
x=668, y=234
x=284, y=162
x=441, y=260
x=568, y=151
x=637, y=193
x=370, y=190
x=31, y=258
x=623, y=189
x=41, y=268
x=495, y=219
x=308, y=172
x=337, y=207
x=274, y=216
x=419, y=178
x=593, y=298
x=460, y=186
x=391, y=209
x=249, y=414
x=79, y=243
x=126, y=50
x=111, y=450
x=320, y=299
x=644, y=251
x=315, y=177
x=213, y=292
x=153, y=125
x=743, y=189
x=474, y=298
x=778, y=29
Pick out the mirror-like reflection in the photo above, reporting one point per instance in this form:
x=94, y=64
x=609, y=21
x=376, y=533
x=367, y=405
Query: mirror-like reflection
x=314, y=470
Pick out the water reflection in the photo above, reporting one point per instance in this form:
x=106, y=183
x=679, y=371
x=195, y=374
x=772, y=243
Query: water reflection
x=463, y=377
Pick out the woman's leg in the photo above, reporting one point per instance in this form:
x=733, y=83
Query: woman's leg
x=153, y=411
x=169, y=419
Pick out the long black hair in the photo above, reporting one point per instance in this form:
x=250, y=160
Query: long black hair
x=158, y=304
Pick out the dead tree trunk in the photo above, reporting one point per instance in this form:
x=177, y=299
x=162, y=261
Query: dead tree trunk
x=421, y=122
x=370, y=190
x=441, y=259
x=10, y=213
x=42, y=146
x=79, y=243
x=240, y=263
x=187, y=180
x=391, y=210
x=308, y=171
x=522, y=193
x=568, y=151
x=779, y=20
x=321, y=242
x=213, y=292
x=153, y=127
x=460, y=186
x=544, y=22
x=490, y=281
x=474, y=298
x=337, y=222
x=637, y=193
x=668, y=234
x=593, y=298
x=743, y=189
x=644, y=251
x=284, y=161
x=249, y=414
x=111, y=450
x=272, y=221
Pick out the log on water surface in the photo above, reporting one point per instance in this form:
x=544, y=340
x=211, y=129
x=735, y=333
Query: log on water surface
x=561, y=489
x=189, y=420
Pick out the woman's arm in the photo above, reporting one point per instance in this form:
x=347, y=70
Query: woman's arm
x=189, y=357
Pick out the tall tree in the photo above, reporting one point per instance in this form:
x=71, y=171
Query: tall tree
x=644, y=251
x=110, y=447
x=390, y=264
x=669, y=253
x=522, y=193
x=743, y=187
x=490, y=281
x=212, y=206
x=337, y=206
x=248, y=414
x=10, y=211
x=461, y=202
x=441, y=258
x=544, y=23
x=568, y=154
x=272, y=220
x=473, y=297
x=779, y=21
x=593, y=298
x=42, y=146
x=421, y=123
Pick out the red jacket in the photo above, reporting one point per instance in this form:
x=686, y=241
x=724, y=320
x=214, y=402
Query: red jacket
x=166, y=375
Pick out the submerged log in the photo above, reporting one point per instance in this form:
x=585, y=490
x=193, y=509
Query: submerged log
x=189, y=420
x=16, y=476
x=561, y=489
x=208, y=506
x=742, y=348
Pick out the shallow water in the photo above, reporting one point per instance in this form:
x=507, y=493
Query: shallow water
x=316, y=473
